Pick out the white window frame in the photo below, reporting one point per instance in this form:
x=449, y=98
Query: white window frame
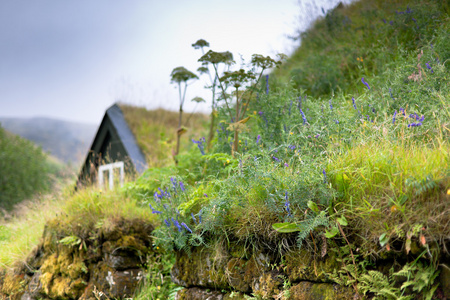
x=109, y=167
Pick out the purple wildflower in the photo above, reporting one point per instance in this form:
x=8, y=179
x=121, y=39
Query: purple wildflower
x=300, y=103
x=260, y=113
x=391, y=22
x=185, y=226
x=324, y=176
x=206, y=195
x=331, y=105
x=286, y=165
x=365, y=83
x=414, y=125
x=429, y=67
x=336, y=121
x=267, y=84
x=384, y=21
x=182, y=186
x=393, y=119
x=174, y=183
x=154, y=211
x=177, y=225
x=292, y=147
x=193, y=218
x=287, y=204
x=402, y=110
x=317, y=135
x=275, y=158
x=354, y=104
x=390, y=92
x=167, y=222
x=156, y=196
x=415, y=21
x=200, y=145
x=303, y=117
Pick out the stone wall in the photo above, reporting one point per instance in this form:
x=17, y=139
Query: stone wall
x=216, y=273
x=102, y=265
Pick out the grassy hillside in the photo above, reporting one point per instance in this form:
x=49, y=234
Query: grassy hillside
x=25, y=169
x=67, y=141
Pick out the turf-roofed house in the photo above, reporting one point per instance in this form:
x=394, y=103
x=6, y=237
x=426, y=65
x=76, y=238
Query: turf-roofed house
x=114, y=151
x=131, y=139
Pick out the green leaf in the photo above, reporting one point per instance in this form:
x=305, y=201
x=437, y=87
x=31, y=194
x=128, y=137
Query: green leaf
x=313, y=206
x=286, y=227
x=332, y=233
x=384, y=239
x=343, y=221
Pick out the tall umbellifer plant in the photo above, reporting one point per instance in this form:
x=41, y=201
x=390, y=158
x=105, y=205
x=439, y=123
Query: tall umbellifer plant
x=214, y=59
x=239, y=79
x=182, y=77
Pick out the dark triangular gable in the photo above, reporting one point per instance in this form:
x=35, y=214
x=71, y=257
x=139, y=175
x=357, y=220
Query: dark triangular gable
x=113, y=142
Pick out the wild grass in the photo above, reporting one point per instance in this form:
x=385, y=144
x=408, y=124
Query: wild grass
x=23, y=230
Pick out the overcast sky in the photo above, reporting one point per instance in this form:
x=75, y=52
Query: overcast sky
x=72, y=59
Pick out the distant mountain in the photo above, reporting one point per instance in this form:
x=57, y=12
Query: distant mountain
x=67, y=141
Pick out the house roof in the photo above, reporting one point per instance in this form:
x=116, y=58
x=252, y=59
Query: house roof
x=126, y=136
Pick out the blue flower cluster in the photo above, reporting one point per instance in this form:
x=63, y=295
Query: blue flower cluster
x=160, y=195
x=200, y=145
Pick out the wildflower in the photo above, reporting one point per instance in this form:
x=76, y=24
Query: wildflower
x=393, y=119
x=185, y=226
x=336, y=121
x=317, y=135
x=324, y=176
x=354, y=104
x=182, y=186
x=292, y=147
x=402, y=110
x=177, y=225
x=154, y=211
x=200, y=145
x=331, y=105
x=228, y=161
x=193, y=218
x=429, y=67
x=267, y=84
x=303, y=117
x=390, y=92
x=275, y=158
x=167, y=222
x=254, y=112
x=365, y=83
x=287, y=204
x=174, y=183
x=286, y=165
x=415, y=21
x=157, y=197
x=291, y=133
x=300, y=103
x=391, y=22
x=414, y=125
x=384, y=21
x=206, y=195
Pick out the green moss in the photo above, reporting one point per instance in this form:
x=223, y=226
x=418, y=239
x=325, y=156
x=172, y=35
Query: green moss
x=323, y=291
